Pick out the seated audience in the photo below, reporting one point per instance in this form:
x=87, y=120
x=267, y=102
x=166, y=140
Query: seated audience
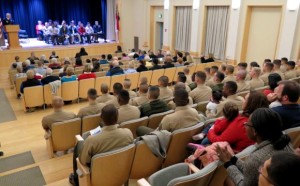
x=131, y=68
x=117, y=87
x=125, y=57
x=155, y=105
x=54, y=64
x=165, y=91
x=209, y=59
x=267, y=70
x=283, y=67
x=32, y=58
x=105, y=94
x=49, y=77
x=58, y=115
x=276, y=69
x=119, y=49
x=182, y=78
x=263, y=127
x=179, y=62
x=103, y=60
x=168, y=62
x=273, y=80
x=218, y=84
x=240, y=80
x=155, y=65
x=111, y=138
x=254, y=64
x=70, y=75
x=201, y=92
x=40, y=68
x=243, y=66
x=142, y=66
x=82, y=52
x=87, y=73
x=211, y=107
x=142, y=98
x=78, y=62
x=186, y=72
x=30, y=82
x=281, y=169
x=19, y=73
x=93, y=107
x=179, y=85
x=229, y=74
x=290, y=70
x=126, y=112
x=53, y=55
x=115, y=70
x=127, y=85
x=43, y=59
x=255, y=81
x=287, y=94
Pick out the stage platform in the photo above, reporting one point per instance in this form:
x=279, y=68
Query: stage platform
x=39, y=47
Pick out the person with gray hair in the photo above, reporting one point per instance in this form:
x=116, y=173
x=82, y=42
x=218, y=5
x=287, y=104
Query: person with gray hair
x=131, y=68
x=105, y=94
x=40, y=68
x=240, y=80
x=49, y=77
x=54, y=64
x=256, y=82
x=115, y=69
x=30, y=82
x=43, y=59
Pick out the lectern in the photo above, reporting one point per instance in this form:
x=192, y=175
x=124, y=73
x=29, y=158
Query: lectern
x=13, y=36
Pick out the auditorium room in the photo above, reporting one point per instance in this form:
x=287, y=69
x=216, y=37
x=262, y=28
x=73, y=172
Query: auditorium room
x=150, y=93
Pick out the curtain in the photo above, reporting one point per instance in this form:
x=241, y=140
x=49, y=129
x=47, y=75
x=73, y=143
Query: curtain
x=183, y=28
x=111, y=20
x=216, y=31
x=26, y=13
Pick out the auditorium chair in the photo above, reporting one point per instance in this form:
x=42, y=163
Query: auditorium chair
x=33, y=97
x=132, y=125
x=62, y=136
x=116, y=79
x=134, y=78
x=192, y=68
x=100, y=74
x=200, y=67
x=90, y=122
x=178, y=69
x=201, y=107
x=69, y=91
x=150, y=162
x=156, y=75
x=109, y=169
x=170, y=73
x=19, y=82
x=48, y=96
x=99, y=81
x=147, y=74
x=155, y=119
x=181, y=174
x=177, y=151
x=294, y=134
x=84, y=86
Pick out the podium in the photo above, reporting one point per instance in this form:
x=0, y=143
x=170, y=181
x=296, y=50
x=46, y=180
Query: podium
x=13, y=36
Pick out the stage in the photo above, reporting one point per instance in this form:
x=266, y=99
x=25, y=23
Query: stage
x=40, y=47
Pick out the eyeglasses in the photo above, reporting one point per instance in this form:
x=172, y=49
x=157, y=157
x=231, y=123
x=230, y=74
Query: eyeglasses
x=264, y=176
x=248, y=125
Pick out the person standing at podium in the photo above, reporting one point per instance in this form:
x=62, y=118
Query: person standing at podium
x=8, y=20
x=2, y=42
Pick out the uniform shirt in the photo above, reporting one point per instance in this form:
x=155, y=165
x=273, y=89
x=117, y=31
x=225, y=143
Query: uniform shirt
x=279, y=73
x=128, y=112
x=229, y=78
x=183, y=117
x=113, y=101
x=91, y=109
x=56, y=116
x=233, y=98
x=243, y=86
x=153, y=107
x=188, y=79
x=201, y=93
x=140, y=100
x=264, y=77
x=132, y=94
x=165, y=93
x=104, y=98
x=110, y=138
x=256, y=83
x=172, y=105
x=290, y=74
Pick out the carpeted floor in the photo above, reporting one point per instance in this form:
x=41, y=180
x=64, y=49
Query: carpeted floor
x=16, y=161
x=28, y=177
x=6, y=112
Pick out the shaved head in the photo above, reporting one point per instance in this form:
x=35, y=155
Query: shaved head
x=104, y=88
x=179, y=85
x=143, y=88
x=57, y=102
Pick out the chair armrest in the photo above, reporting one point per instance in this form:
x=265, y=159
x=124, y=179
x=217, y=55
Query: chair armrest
x=79, y=138
x=193, y=168
x=84, y=169
x=143, y=182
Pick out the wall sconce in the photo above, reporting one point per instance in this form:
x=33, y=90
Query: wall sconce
x=293, y=5
x=196, y=4
x=166, y=4
x=235, y=4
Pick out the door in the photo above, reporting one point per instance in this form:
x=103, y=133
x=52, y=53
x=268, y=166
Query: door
x=159, y=35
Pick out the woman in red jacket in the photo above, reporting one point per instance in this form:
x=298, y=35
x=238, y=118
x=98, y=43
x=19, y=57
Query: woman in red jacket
x=87, y=73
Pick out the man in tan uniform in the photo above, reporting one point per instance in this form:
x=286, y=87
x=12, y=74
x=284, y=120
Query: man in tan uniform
x=256, y=82
x=142, y=98
x=229, y=92
x=186, y=72
x=126, y=112
x=105, y=94
x=229, y=73
x=202, y=92
x=181, y=78
x=211, y=82
x=93, y=107
x=179, y=85
x=243, y=66
x=218, y=81
x=116, y=89
x=165, y=91
x=240, y=80
x=127, y=85
x=276, y=69
x=58, y=115
x=284, y=61
x=110, y=138
x=267, y=69
x=290, y=70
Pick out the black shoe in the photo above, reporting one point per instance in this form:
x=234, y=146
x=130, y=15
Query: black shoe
x=1, y=153
x=72, y=179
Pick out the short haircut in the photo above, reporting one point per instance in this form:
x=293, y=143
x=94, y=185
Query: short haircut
x=267, y=61
x=290, y=89
x=201, y=75
x=179, y=85
x=254, y=64
x=92, y=93
x=230, y=69
x=277, y=62
x=181, y=78
x=230, y=111
x=220, y=76
x=103, y=56
x=154, y=92
x=17, y=58
x=109, y=114
x=217, y=95
x=123, y=97
x=164, y=80
x=232, y=87
x=269, y=66
x=143, y=80
x=223, y=67
x=14, y=65
x=109, y=57
x=49, y=71
x=284, y=59
x=214, y=68
x=291, y=64
x=257, y=70
x=143, y=88
x=243, y=65
x=104, y=88
x=242, y=74
x=274, y=78
x=186, y=70
x=127, y=83
x=181, y=97
x=30, y=74
x=117, y=87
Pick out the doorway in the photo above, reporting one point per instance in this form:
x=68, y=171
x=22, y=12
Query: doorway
x=159, y=35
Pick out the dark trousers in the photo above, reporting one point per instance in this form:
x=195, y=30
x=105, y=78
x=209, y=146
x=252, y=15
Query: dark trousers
x=142, y=130
x=76, y=153
x=54, y=39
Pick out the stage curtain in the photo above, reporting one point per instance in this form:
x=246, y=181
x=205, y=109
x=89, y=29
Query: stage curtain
x=111, y=20
x=26, y=13
x=183, y=28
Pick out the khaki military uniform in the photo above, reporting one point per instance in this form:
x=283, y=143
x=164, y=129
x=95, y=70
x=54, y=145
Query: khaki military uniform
x=201, y=93
x=264, y=77
x=104, y=98
x=56, y=116
x=114, y=102
x=165, y=93
x=280, y=73
x=256, y=83
x=93, y=108
x=233, y=98
x=290, y=74
x=172, y=105
x=138, y=101
x=243, y=86
x=229, y=78
x=128, y=112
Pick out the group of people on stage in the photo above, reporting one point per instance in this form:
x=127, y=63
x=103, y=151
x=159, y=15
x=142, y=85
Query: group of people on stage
x=62, y=34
